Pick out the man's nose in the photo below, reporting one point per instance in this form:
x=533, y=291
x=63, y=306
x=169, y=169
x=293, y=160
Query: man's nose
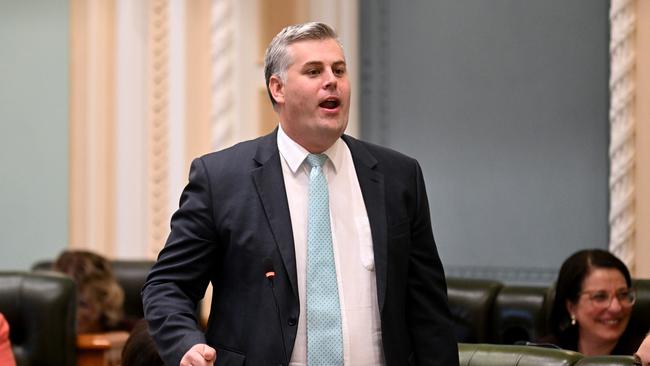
x=330, y=80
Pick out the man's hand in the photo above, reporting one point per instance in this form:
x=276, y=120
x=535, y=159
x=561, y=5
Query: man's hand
x=199, y=355
x=644, y=351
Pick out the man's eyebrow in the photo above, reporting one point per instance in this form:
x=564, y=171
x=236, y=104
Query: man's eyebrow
x=312, y=63
x=320, y=63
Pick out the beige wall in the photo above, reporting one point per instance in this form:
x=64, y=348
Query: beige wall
x=92, y=133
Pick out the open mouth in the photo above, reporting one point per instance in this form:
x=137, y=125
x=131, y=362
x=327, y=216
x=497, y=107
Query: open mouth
x=610, y=322
x=330, y=103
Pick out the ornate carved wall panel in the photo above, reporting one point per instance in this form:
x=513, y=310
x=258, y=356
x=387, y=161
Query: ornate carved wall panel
x=622, y=149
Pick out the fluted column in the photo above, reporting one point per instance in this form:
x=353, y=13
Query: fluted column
x=622, y=123
x=221, y=57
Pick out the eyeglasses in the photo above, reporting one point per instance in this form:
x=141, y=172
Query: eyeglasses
x=603, y=299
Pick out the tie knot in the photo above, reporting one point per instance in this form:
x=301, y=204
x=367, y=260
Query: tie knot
x=316, y=160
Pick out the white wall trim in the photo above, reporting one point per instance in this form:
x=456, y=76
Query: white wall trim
x=131, y=215
x=177, y=174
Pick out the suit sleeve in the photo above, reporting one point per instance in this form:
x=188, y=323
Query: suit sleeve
x=428, y=315
x=179, y=277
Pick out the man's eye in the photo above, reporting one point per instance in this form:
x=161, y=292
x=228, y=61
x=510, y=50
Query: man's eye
x=340, y=71
x=313, y=72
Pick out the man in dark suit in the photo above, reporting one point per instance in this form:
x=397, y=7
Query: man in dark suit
x=318, y=246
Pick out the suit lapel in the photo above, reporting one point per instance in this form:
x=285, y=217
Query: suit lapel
x=270, y=188
x=371, y=182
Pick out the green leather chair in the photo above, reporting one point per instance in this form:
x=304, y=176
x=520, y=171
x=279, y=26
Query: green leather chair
x=520, y=314
x=131, y=274
x=641, y=311
x=510, y=355
x=470, y=303
x=507, y=355
x=40, y=309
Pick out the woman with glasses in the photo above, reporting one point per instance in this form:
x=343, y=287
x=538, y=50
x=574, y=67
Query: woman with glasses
x=592, y=306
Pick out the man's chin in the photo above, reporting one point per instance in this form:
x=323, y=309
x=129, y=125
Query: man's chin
x=326, y=126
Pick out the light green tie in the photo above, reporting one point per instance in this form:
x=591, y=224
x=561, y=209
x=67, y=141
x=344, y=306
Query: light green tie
x=324, y=335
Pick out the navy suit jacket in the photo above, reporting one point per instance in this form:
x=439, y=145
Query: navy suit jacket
x=234, y=214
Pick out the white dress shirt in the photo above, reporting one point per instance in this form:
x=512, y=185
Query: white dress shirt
x=352, y=245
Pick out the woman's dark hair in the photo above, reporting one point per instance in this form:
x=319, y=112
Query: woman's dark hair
x=140, y=349
x=568, y=287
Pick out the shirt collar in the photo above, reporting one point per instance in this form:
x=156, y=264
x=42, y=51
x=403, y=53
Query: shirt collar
x=294, y=154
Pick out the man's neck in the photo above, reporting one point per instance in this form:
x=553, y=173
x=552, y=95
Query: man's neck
x=317, y=146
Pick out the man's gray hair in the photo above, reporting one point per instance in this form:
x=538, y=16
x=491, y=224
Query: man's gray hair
x=277, y=59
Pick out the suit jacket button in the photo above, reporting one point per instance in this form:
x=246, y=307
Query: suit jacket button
x=292, y=322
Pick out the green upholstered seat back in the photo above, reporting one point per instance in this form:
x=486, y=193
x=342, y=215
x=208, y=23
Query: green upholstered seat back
x=509, y=355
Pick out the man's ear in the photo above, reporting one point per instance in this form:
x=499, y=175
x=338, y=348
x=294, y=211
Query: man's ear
x=276, y=87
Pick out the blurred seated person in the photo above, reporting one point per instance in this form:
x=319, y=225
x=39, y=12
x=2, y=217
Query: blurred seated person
x=140, y=349
x=99, y=297
x=592, y=307
x=6, y=352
